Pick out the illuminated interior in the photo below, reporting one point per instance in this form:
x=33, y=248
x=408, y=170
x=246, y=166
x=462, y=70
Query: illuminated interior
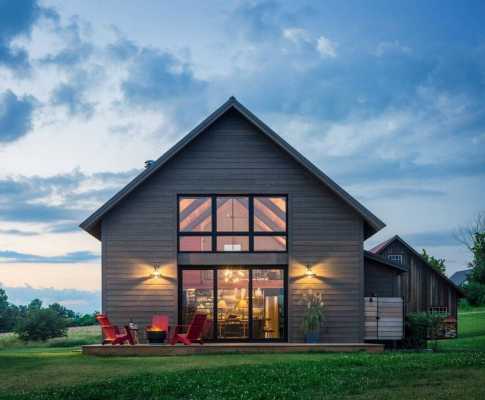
x=248, y=303
x=232, y=223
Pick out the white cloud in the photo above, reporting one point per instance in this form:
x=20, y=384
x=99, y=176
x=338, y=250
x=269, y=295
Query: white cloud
x=297, y=35
x=326, y=47
x=391, y=47
x=302, y=38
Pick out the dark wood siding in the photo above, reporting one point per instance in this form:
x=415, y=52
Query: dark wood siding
x=422, y=288
x=380, y=280
x=233, y=157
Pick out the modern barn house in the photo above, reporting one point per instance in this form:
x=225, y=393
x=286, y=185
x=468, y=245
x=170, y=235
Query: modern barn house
x=235, y=223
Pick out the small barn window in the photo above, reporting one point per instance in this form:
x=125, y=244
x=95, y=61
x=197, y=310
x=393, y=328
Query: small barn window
x=397, y=258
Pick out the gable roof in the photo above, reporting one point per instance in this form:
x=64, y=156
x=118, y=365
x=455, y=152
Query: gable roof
x=92, y=223
x=460, y=276
x=381, y=247
x=384, y=261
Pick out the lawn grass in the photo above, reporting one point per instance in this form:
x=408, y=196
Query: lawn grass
x=456, y=371
x=76, y=336
x=471, y=332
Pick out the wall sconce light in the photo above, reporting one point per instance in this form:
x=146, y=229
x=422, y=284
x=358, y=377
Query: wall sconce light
x=309, y=272
x=156, y=274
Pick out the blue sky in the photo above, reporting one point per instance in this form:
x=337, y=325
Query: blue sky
x=387, y=98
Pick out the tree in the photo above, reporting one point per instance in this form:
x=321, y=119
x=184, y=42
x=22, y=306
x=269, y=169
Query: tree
x=8, y=313
x=63, y=311
x=437, y=263
x=35, y=304
x=473, y=238
x=466, y=234
x=85, y=319
x=41, y=324
x=478, y=264
x=3, y=302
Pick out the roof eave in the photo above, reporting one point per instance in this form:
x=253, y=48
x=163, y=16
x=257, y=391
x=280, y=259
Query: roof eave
x=382, y=260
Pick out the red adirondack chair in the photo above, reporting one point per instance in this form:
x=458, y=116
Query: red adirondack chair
x=159, y=323
x=194, y=331
x=111, y=333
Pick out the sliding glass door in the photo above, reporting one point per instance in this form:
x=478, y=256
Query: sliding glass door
x=268, y=302
x=197, y=295
x=232, y=304
x=242, y=303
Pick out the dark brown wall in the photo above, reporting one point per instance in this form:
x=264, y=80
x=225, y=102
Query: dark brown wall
x=422, y=288
x=233, y=157
x=380, y=280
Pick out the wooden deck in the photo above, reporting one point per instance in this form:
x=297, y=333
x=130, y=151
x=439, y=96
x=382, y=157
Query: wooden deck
x=234, y=348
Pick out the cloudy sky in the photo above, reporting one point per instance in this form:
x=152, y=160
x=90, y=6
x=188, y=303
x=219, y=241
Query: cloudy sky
x=388, y=99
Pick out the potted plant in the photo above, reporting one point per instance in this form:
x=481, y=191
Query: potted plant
x=313, y=317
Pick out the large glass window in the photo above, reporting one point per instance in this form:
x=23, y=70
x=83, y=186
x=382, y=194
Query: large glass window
x=195, y=243
x=195, y=214
x=268, y=303
x=270, y=214
x=232, y=243
x=232, y=223
x=232, y=214
x=232, y=304
x=241, y=303
x=198, y=296
x=270, y=243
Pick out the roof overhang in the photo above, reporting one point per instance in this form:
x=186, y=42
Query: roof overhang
x=383, y=261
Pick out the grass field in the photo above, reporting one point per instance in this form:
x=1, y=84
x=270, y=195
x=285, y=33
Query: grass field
x=456, y=371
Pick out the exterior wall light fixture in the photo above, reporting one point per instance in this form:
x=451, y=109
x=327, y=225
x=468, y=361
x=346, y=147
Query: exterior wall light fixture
x=156, y=274
x=309, y=271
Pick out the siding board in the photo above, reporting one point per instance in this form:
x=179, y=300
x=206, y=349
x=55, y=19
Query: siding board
x=422, y=288
x=232, y=156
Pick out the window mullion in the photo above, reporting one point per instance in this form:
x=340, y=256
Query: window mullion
x=251, y=224
x=214, y=222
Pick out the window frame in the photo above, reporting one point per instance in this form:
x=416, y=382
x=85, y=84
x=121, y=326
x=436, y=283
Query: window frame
x=400, y=257
x=251, y=233
x=214, y=269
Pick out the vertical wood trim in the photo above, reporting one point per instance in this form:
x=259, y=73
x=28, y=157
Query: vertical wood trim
x=250, y=303
x=289, y=247
x=174, y=251
x=215, y=282
x=362, y=286
x=104, y=260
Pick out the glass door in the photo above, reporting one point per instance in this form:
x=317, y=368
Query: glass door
x=197, y=295
x=268, y=303
x=232, y=304
x=241, y=303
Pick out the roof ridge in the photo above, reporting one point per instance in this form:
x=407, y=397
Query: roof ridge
x=383, y=244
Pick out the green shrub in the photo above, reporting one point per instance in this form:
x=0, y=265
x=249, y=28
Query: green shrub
x=420, y=327
x=41, y=324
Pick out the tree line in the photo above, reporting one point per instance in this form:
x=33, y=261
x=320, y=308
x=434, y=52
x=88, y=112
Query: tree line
x=35, y=322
